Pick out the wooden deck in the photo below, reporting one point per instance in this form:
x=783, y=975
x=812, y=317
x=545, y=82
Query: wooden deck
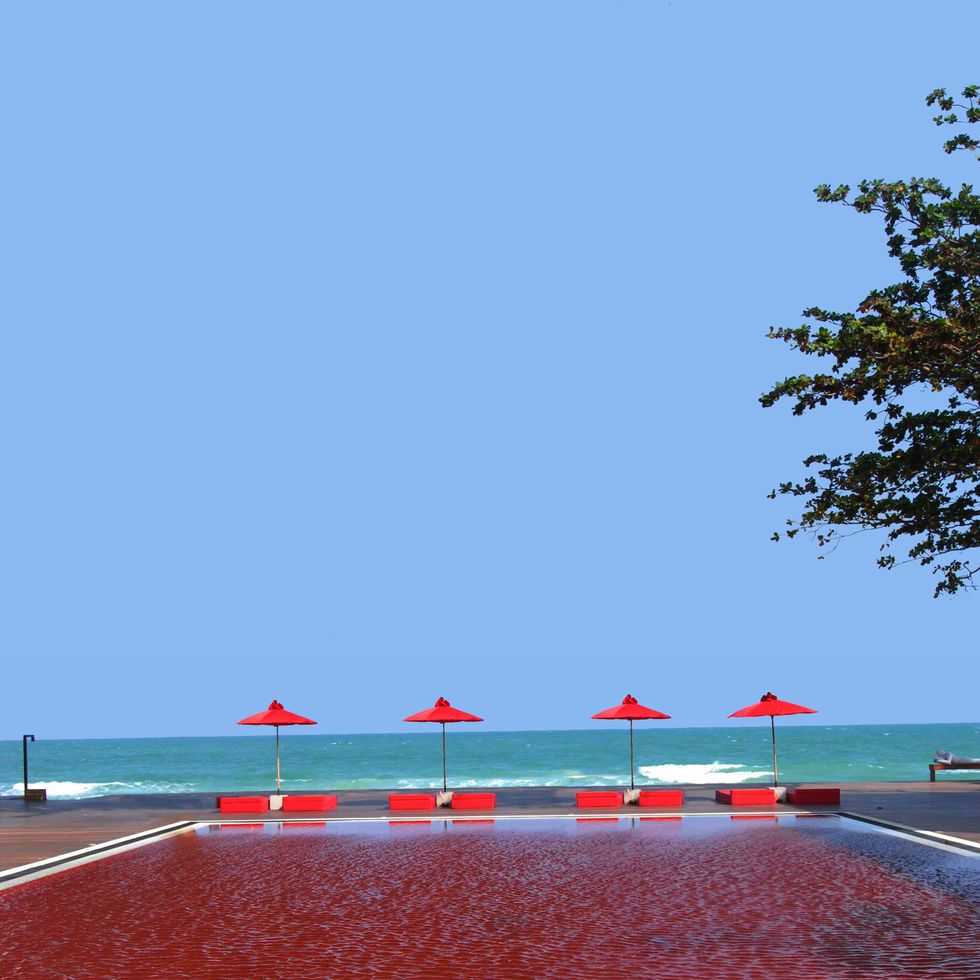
x=952, y=767
x=34, y=831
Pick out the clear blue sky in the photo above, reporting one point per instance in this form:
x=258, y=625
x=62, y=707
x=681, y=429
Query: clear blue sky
x=356, y=354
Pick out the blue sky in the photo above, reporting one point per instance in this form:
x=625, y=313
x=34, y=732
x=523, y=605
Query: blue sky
x=356, y=354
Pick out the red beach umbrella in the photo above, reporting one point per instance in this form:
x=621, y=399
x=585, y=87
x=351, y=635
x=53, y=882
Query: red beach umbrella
x=630, y=710
x=445, y=714
x=276, y=715
x=769, y=705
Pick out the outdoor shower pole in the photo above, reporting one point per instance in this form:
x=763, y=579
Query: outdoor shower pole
x=25, y=738
x=775, y=768
x=444, y=757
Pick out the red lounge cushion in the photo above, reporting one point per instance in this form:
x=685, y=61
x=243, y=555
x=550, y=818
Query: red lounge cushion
x=746, y=797
x=411, y=801
x=814, y=794
x=599, y=798
x=661, y=797
x=307, y=804
x=473, y=801
x=243, y=804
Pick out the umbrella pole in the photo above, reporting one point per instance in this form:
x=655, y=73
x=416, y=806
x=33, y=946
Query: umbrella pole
x=443, y=756
x=631, y=753
x=277, y=761
x=775, y=767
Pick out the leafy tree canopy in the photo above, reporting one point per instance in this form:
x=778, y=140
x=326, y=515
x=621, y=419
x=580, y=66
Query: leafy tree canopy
x=921, y=485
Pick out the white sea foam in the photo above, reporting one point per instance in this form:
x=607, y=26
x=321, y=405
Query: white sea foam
x=560, y=779
x=68, y=790
x=701, y=773
x=715, y=772
x=461, y=783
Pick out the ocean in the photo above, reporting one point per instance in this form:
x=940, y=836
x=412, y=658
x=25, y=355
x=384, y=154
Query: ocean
x=80, y=768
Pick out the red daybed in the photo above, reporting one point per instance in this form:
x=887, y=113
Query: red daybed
x=828, y=795
x=473, y=801
x=754, y=796
x=243, y=804
x=411, y=801
x=600, y=798
x=308, y=804
x=660, y=797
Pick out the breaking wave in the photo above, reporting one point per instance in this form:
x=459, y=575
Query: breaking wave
x=672, y=773
x=712, y=772
x=555, y=779
x=67, y=790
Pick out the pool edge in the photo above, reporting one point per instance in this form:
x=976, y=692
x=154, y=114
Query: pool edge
x=33, y=871
x=94, y=852
x=926, y=836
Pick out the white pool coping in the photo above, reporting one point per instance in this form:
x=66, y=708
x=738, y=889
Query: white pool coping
x=86, y=855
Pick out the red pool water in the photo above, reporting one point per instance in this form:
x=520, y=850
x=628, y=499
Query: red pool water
x=703, y=897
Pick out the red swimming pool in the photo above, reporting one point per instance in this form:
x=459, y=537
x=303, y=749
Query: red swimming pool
x=700, y=897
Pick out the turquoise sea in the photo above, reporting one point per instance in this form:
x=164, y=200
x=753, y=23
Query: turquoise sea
x=73, y=769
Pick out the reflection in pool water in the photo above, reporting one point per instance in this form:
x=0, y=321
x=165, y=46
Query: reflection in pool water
x=703, y=896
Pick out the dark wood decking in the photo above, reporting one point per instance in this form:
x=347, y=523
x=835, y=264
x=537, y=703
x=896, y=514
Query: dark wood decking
x=34, y=831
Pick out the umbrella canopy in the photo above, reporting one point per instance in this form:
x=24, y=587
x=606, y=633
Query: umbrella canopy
x=770, y=706
x=277, y=716
x=445, y=714
x=630, y=710
x=442, y=712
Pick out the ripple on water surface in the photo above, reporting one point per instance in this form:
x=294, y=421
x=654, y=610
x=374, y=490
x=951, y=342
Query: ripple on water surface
x=655, y=898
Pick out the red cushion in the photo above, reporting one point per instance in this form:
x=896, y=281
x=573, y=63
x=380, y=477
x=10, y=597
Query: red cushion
x=307, y=804
x=814, y=794
x=746, y=797
x=243, y=804
x=473, y=801
x=600, y=798
x=661, y=797
x=411, y=801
